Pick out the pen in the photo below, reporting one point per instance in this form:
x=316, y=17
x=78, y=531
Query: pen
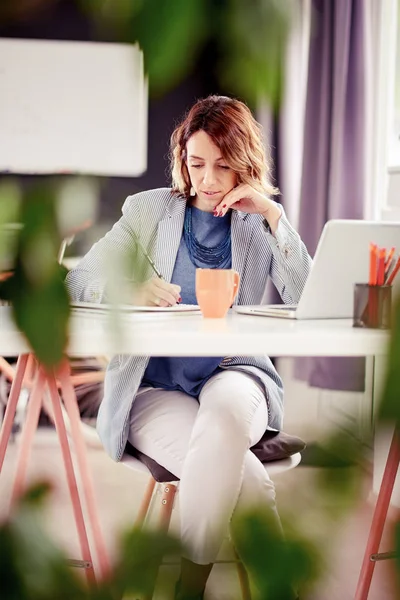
x=381, y=266
x=394, y=272
x=389, y=270
x=153, y=266
x=388, y=262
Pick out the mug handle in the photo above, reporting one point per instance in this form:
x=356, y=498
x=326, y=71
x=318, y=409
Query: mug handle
x=236, y=280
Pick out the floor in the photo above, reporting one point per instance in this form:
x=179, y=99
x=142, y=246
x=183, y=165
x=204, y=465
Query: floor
x=119, y=492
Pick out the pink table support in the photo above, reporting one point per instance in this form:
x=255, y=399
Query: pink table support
x=378, y=520
x=43, y=379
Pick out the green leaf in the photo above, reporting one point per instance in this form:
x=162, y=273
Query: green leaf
x=277, y=565
x=31, y=566
x=389, y=409
x=254, y=42
x=37, y=291
x=250, y=38
x=142, y=553
x=10, y=201
x=170, y=35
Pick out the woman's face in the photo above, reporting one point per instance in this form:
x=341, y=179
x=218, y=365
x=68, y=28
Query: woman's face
x=209, y=174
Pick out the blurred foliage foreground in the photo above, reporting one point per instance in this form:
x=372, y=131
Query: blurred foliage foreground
x=250, y=38
x=32, y=567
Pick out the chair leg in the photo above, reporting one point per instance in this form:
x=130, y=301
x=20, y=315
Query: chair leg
x=378, y=520
x=167, y=504
x=243, y=578
x=145, y=504
x=12, y=405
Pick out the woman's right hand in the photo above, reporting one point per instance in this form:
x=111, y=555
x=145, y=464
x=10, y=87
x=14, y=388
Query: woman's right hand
x=157, y=292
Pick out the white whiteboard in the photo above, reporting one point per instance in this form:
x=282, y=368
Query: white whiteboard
x=72, y=107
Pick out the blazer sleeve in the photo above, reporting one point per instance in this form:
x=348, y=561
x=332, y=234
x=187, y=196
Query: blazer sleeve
x=110, y=262
x=290, y=261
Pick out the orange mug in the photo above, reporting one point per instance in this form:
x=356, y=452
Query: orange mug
x=216, y=290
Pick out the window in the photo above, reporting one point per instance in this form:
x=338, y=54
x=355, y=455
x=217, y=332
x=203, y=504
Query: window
x=389, y=109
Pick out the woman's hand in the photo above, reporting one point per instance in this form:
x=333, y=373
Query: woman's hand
x=156, y=292
x=247, y=199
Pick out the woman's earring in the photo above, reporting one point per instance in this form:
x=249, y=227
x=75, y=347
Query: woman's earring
x=192, y=192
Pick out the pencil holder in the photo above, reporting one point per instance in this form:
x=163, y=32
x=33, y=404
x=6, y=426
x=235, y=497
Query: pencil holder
x=372, y=306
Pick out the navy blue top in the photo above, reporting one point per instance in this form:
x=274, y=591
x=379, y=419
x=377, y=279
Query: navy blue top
x=189, y=374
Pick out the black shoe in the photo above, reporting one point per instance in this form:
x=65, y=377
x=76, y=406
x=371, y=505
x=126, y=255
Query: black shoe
x=180, y=596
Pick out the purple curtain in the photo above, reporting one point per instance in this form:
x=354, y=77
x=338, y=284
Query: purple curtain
x=333, y=173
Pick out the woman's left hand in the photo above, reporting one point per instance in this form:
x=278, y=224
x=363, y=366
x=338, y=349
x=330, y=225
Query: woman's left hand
x=247, y=199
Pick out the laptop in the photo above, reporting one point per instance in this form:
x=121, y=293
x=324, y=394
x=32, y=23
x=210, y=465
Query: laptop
x=340, y=261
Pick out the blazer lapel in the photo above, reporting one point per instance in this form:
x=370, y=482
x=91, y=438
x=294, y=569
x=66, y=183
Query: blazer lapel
x=241, y=228
x=169, y=235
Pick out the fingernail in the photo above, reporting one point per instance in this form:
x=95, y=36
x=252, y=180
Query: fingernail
x=224, y=206
x=221, y=214
x=179, y=299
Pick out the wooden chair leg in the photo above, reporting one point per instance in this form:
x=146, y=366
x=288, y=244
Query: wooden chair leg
x=12, y=405
x=145, y=504
x=243, y=578
x=378, y=520
x=167, y=504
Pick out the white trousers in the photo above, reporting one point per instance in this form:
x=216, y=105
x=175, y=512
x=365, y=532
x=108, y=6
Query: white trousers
x=206, y=443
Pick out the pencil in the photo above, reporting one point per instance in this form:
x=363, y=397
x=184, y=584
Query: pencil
x=389, y=259
x=381, y=266
x=394, y=272
x=372, y=263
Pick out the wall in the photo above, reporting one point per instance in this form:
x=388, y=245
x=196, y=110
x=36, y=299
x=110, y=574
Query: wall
x=65, y=21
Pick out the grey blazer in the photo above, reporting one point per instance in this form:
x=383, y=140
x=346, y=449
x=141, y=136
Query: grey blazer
x=156, y=218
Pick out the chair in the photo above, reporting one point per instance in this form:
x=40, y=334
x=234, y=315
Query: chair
x=164, y=485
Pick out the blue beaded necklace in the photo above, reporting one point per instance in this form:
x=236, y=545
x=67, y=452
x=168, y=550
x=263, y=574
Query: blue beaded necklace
x=215, y=257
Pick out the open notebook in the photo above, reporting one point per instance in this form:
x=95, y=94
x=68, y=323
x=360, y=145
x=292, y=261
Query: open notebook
x=129, y=308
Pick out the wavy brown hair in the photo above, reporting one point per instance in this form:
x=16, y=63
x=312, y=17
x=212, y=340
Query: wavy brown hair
x=236, y=133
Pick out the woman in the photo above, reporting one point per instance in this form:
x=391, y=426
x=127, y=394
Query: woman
x=186, y=412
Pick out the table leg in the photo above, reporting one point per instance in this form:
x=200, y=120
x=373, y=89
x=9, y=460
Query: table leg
x=68, y=395
x=378, y=520
x=28, y=430
x=12, y=405
x=69, y=469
